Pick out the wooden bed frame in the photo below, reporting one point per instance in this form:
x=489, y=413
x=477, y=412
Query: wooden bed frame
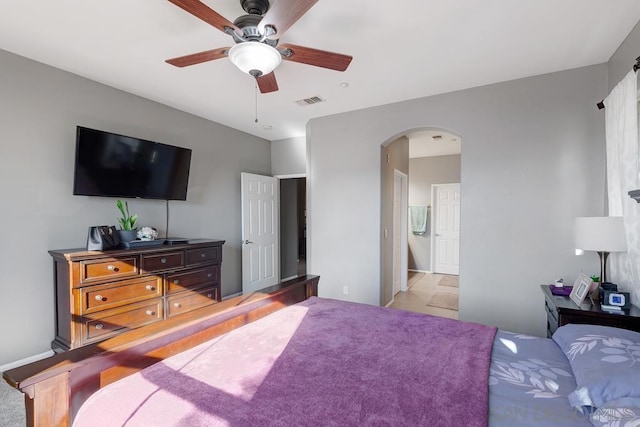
x=56, y=387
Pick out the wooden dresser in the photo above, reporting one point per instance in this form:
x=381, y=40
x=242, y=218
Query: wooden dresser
x=102, y=294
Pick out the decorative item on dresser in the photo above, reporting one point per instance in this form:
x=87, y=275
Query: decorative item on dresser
x=102, y=294
x=561, y=311
x=128, y=230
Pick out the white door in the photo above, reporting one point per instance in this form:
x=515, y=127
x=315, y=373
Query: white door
x=400, y=231
x=445, y=244
x=260, y=220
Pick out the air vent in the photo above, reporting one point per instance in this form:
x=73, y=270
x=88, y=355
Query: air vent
x=436, y=137
x=309, y=101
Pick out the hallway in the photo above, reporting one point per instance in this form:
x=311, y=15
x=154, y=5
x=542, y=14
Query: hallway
x=429, y=294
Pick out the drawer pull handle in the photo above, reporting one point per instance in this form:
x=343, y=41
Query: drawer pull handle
x=163, y=260
x=177, y=305
x=210, y=274
x=112, y=268
x=176, y=282
x=151, y=312
x=150, y=288
x=203, y=255
x=99, y=326
x=210, y=295
x=100, y=298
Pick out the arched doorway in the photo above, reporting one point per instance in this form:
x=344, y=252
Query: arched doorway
x=430, y=157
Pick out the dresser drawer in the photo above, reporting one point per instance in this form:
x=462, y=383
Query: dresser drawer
x=110, y=324
x=552, y=318
x=187, y=301
x=111, y=295
x=552, y=314
x=100, y=295
x=108, y=268
x=204, y=255
x=177, y=282
x=162, y=261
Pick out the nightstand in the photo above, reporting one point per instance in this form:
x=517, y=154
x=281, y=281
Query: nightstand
x=561, y=310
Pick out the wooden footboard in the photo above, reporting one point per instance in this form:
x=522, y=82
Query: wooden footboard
x=56, y=387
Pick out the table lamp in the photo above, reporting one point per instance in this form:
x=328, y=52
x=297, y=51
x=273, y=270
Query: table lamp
x=602, y=235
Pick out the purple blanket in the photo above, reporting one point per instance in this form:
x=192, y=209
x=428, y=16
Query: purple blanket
x=319, y=362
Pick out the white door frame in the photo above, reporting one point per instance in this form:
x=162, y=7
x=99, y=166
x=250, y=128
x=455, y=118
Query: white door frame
x=433, y=224
x=403, y=266
x=260, y=238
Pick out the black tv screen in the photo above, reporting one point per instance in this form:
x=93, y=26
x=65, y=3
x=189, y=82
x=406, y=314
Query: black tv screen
x=114, y=165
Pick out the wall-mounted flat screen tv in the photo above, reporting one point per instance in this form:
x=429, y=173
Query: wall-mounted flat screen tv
x=112, y=165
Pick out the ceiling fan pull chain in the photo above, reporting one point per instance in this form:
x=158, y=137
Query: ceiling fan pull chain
x=256, y=121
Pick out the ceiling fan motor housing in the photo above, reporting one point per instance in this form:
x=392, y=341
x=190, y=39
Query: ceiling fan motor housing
x=255, y=7
x=249, y=26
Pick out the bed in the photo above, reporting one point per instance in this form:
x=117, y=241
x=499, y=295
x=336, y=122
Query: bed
x=315, y=361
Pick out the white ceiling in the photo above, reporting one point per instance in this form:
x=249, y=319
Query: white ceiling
x=402, y=49
x=430, y=143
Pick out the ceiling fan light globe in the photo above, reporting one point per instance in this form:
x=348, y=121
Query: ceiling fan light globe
x=252, y=57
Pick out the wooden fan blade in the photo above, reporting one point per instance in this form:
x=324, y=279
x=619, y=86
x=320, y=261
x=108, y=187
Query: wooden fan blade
x=208, y=15
x=267, y=83
x=316, y=57
x=283, y=14
x=197, y=58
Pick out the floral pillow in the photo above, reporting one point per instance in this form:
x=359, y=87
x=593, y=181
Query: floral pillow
x=605, y=362
x=619, y=413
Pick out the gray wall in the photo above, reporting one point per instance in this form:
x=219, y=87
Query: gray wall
x=624, y=58
x=40, y=107
x=424, y=172
x=394, y=156
x=288, y=156
x=533, y=160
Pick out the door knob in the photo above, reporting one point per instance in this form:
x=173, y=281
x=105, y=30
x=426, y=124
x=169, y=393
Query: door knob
x=247, y=242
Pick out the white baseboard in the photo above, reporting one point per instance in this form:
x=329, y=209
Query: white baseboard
x=237, y=294
x=390, y=302
x=26, y=360
x=420, y=271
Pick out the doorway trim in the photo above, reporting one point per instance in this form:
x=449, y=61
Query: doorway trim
x=400, y=224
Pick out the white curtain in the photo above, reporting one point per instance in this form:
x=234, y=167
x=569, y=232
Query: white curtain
x=621, y=121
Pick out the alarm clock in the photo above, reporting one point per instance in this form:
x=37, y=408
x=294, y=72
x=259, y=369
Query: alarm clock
x=617, y=299
x=606, y=286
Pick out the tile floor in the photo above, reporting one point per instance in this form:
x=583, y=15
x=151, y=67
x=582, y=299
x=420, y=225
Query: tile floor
x=422, y=286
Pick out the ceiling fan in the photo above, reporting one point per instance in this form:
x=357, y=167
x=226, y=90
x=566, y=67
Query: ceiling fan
x=256, y=35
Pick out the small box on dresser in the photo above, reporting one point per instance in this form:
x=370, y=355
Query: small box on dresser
x=102, y=294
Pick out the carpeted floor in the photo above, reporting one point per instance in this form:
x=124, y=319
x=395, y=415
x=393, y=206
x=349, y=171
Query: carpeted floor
x=444, y=300
x=11, y=406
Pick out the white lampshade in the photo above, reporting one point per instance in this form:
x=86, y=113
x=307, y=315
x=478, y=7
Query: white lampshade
x=601, y=234
x=255, y=58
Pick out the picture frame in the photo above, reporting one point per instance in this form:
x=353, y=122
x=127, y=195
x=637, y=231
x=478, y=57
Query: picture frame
x=581, y=288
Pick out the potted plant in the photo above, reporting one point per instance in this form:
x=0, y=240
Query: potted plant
x=127, y=223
